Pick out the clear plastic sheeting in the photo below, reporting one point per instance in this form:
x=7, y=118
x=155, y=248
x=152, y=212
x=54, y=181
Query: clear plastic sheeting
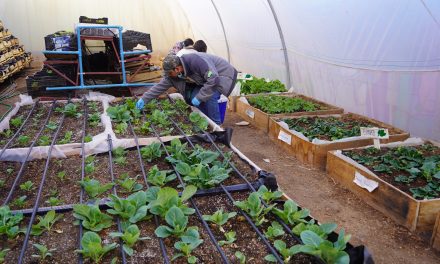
x=24, y=100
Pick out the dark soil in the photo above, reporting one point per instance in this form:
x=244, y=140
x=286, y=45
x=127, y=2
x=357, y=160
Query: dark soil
x=71, y=124
x=23, y=112
x=132, y=168
x=101, y=173
x=420, y=181
x=147, y=251
x=94, y=129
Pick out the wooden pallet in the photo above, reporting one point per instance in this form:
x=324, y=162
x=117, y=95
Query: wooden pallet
x=416, y=215
x=260, y=119
x=316, y=154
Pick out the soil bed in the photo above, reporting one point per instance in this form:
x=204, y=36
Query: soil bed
x=22, y=113
x=33, y=125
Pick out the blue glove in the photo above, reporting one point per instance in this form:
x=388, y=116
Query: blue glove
x=195, y=102
x=140, y=104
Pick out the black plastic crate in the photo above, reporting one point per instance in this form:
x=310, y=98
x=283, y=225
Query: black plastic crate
x=131, y=38
x=61, y=40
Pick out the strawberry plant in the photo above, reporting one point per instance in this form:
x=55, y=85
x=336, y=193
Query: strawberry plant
x=254, y=208
x=259, y=85
x=230, y=238
x=274, y=230
x=91, y=217
x=199, y=121
x=43, y=252
x=93, y=187
x=130, y=236
x=291, y=213
x=9, y=223
x=128, y=184
x=92, y=247
x=160, y=177
x=273, y=104
x=219, y=218
x=162, y=199
x=45, y=223
x=151, y=151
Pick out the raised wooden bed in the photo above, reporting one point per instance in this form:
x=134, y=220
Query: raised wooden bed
x=260, y=119
x=435, y=239
x=316, y=154
x=417, y=215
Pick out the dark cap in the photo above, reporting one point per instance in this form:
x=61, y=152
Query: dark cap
x=170, y=63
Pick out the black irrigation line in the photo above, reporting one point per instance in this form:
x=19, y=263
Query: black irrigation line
x=40, y=189
x=156, y=220
x=23, y=164
x=81, y=194
x=19, y=129
x=205, y=225
x=248, y=219
x=110, y=162
x=279, y=220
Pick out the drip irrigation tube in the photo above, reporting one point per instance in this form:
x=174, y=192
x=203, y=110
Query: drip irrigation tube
x=81, y=193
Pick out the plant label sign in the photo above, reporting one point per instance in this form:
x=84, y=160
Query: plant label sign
x=250, y=113
x=244, y=76
x=375, y=133
x=365, y=183
x=283, y=136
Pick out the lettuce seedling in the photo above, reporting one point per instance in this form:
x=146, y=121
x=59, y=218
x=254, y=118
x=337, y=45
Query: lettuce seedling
x=9, y=223
x=88, y=138
x=219, y=218
x=121, y=128
x=91, y=217
x=16, y=122
x=199, y=121
x=273, y=231
x=119, y=156
x=119, y=113
x=93, y=187
x=19, y=202
x=287, y=253
x=324, y=249
x=23, y=140
x=43, y=252
x=177, y=222
x=130, y=236
x=70, y=110
x=54, y=201
x=94, y=119
x=67, y=138
x=92, y=247
x=162, y=199
x=151, y=151
x=131, y=209
x=230, y=238
x=3, y=253
x=27, y=186
x=128, y=184
x=322, y=230
x=240, y=256
x=201, y=175
x=61, y=175
x=187, y=245
x=45, y=223
x=159, y=177
x=267, y=195
x=44, y=141
x=52, y=125
x=291, y=213
x=254, y=208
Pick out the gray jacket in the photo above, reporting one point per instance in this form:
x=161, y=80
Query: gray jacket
x=206, y=70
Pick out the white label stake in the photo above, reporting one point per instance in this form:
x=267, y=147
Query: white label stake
x=250, y=113
x=365, y=183
x=283, y=136
x=376, y=134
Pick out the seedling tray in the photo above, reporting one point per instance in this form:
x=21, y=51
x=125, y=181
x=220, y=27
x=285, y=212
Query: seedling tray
x=260, y=119
x=315, y=154
x=415, y=214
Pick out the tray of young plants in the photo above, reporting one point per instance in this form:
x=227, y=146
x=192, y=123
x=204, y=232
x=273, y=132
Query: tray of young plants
x=159, y=113
x=408, y=177
x=36, y=124
x=309, y=138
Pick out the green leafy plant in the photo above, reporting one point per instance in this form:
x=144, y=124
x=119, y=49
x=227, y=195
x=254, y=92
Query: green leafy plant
x=291, y=213
x=322, y=230
x=19, y=202
x=27, y=186
x=70, y=110
x=202, y=176
x=43, y=252
x=260, y=85
x=61, y=175
x=92, y=248
x=93, y=187
x=119, y=113
x=51, y=125
x=160, y=119
x=54, y=201
x=199, y=121
x=254, y=208
x=121, y=128
x=23, y=140
x=159, y=177
x=267, y=195
x=274, y=230
x=9, y=171
x=131, y=209
x=88, y=138
x=67, y=138
x=7, y=133
x=128, y=184
x=3, y=253
x=44, y=141
x=130, y=236
x=287, y=253
x=45, y=223
x=93, y=106
x=324, y=249
x=2, y=183
x=89, y=166
x=119, y=156
x=91, y=217
x=151, y=151
x=219, y=218
x=230, y=238
x=162, y=199
x=177, y=222
x=145, y=128
x=16, y=122
x=94, y=119
x=275, y=104
x=9, y=223
x=240, y=256
x=186, y=246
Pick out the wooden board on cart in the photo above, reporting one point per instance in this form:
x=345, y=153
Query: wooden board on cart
x=316, y=154
x=260, y=119
x=416, y=215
